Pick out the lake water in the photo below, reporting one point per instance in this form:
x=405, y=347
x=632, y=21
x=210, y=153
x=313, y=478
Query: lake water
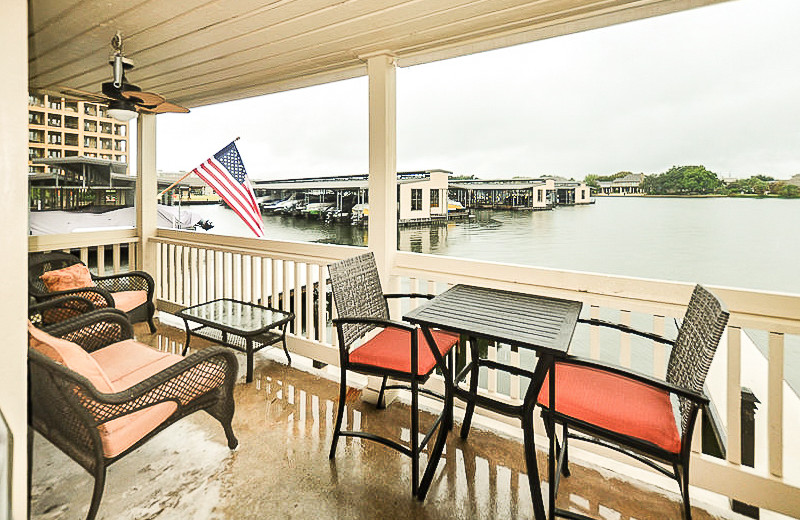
x=746, y=243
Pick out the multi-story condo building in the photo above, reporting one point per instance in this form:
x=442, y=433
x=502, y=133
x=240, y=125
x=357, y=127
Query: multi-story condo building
x=59, y=127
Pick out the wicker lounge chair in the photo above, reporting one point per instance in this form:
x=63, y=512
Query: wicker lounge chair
x=55, y=310
x=131, y=292
x=633, y=413
x=97, y=394
x=398, y=351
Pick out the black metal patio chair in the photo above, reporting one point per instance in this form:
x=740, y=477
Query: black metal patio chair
x=649, y=419
x=397, y=350
x=97, y=395
x=131, y=292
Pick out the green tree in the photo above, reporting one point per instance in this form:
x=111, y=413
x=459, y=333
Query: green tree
x=689, y=180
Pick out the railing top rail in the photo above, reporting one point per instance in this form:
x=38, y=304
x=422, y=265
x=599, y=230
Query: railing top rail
x=749, y=308
x=283, y=249
x=79, y=240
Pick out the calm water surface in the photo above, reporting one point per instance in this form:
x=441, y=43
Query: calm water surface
x=746, y=243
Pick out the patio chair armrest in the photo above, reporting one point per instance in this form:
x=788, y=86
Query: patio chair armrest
x=99, y=296
x=625, y=328
x=94, y=330
x=182, y=383
x=680, y=391
x=410, y=295
x=374, y=321
x=56, y=310
x=130, y=281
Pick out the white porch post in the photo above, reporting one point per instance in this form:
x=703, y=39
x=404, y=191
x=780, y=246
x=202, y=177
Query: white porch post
x=382, y=238
x=382, y=162
x=146, y=193
x=14, y=260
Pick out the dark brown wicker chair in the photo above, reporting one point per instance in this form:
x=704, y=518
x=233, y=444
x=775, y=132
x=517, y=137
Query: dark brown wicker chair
x=633, y=413
x=68, y=410
x=399, y=351
x=55, y=310
x=103, y=294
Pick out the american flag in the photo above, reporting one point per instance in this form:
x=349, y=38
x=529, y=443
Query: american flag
x=225, y=172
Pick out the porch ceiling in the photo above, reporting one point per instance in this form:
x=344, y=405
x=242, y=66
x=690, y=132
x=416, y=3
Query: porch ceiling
x=198, y=52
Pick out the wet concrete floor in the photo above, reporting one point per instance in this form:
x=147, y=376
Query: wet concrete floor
x=284, y=421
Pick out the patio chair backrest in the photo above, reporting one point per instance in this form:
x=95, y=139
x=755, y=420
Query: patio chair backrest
x=40, y=263
x=357, y=292
x=698, y=337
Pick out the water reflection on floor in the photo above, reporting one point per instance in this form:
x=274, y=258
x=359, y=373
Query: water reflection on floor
x=284, y=420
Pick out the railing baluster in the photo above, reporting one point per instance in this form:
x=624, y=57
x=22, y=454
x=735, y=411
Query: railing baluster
x=255, y=278
x=219, y=276
x=309, y=301
x=85, y=255
x=194, y=268
x=734, y=395
x=659, y=349
x=322, y=301
x=132, y=246
x=202, y=275
x=298, y=298
x=101, y=260
x=625, y=340
x=173, y=257
x=286, y=285
x=275, y=292
x=227, y=272
x=115, y=258
x=775, y=404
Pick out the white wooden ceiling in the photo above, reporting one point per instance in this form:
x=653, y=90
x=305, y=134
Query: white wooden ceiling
x=196, y=52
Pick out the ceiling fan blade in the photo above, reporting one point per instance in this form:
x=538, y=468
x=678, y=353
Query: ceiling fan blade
x=143, y=98
x=168, y=107
x=82, y=95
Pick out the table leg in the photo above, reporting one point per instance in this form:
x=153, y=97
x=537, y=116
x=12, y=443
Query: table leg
x=249, y=348
x=473, y=388
x=285, y=348
x=188, y=335
x=444, y=427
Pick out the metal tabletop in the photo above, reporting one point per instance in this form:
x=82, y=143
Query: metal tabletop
x=525, y=320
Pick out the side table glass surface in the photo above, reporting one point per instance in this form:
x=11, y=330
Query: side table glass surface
x=242, y=316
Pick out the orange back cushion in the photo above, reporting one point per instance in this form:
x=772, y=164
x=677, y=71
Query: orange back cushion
x=75, y=276
x=70, y=355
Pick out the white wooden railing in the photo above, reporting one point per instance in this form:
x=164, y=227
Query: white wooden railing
x=94, y=248
x=194, y=267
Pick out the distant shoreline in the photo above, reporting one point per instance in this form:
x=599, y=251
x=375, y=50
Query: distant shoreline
x=709, y=196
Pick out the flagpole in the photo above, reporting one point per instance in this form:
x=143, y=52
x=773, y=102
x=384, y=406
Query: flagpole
x=179, y=180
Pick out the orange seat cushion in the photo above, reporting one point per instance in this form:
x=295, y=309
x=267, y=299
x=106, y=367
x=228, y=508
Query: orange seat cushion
x=391, y=349
x=129, y=362
x=126, y=301
x=75, y=276
x=615, y=403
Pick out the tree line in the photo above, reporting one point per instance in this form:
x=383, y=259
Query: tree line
x=697, y=180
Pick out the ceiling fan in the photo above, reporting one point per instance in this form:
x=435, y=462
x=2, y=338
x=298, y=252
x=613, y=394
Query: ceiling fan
x=124, y=99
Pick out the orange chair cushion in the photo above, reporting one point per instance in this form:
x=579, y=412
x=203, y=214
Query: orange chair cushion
x=615, y=403
x=70, y=355
x=126, y=301
x=391, y=349
x=75, y=276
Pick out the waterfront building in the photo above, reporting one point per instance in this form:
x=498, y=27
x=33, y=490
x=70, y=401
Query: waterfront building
x=520, y=194
x=190, y=190
x=795, y=180
x=59, y=127
x=627, y=185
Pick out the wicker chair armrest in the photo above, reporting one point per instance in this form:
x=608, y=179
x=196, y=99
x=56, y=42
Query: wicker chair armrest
x=629, y=330
x=130, y=281
x=660, y=384
x=410, y=295
x=94, y=330
x=99, y=296
x=182, y=382
x=56, y=310
x=374, y=321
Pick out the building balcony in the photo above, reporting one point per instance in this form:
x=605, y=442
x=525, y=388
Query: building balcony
x=284, y=418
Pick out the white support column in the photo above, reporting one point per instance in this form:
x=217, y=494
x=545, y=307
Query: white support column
x=382, y=161
x=14, y=237
x=146, y=192
x=382, y=239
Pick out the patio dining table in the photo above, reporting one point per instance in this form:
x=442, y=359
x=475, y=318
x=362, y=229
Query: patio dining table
x=542, y=324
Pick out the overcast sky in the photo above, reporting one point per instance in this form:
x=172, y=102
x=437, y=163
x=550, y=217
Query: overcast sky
x=717, y=86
